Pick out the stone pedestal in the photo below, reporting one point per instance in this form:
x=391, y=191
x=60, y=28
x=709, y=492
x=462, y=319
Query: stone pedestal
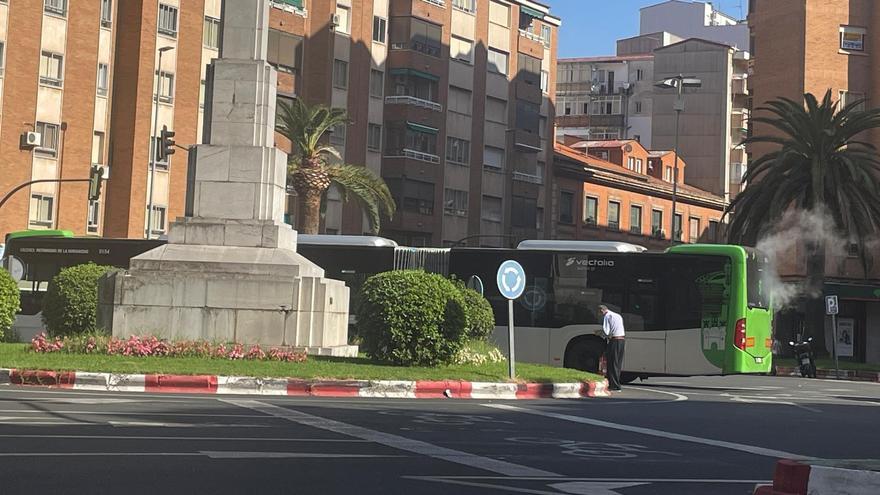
x=230, y=272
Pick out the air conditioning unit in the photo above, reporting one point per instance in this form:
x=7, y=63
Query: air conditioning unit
x=334, y=20
x=31, y=140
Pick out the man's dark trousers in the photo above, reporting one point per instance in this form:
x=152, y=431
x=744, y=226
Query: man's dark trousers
x=614, y=361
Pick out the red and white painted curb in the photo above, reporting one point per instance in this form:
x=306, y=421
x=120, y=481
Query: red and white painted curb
x=212, y=384
x=851, y=375
x=801, y=478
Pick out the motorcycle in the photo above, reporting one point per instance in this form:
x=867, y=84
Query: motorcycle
x=806, y=359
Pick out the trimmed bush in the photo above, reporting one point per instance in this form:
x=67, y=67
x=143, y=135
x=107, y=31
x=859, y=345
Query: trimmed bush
x=9, y=302
x=479, y=311
x=71, y=302
x=409, y=317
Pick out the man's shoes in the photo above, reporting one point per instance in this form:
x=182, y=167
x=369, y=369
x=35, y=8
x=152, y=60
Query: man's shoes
x=618, y=389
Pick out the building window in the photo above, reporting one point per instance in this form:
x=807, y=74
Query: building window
x=58, y=7
x=852, y=39
x=497, y=61
x=848, y=97
x=337, y=135
x=499, y=13
x=98, y=148
x=635, y=219
x=640, y=74
x=343, y=19
x=42, y=210
x=631, y=163
x=496, y=110
x=411, y=140
x=736, y=173
x=566, y=207
x=459, y=100
x=461, y=49
x=469, y=6
x=159, y=163
x=591, y=207
x=212, y=32
x=103, y=79
x=380, y=27
x=106, y=13
x=374, y=137
x=545, y=81
x=413, y=196
x=2, y=56
x=458, y=151
x=614, y=215
x=284, y=50
x=94, y=217
x=202, y=94
x=166, y=87
x=492, y=210
x=694, y=230
x=657, y=223
x=340, y=74
x=48, y=138
x=639, y=164
x=539, y=218
x=158, y=220
x=410, y=33
x=523, y=212
x=667, y=174
x=545, y=35
x=167, y=20
x=638, y=107
x=493, y=158
x=676, y=227
x=455, y=202
x=51, y=69
x=713, y=230
x=377, y=83
x=607, y=105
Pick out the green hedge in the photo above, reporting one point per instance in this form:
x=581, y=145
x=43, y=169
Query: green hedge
x=9, y=302
x=410, y=317
x=480, y=315
x=71, y=302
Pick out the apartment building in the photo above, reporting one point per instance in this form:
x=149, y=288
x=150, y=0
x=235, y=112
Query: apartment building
x=449, y=101
x=603, y=98
x=694, y=19
x=601, y=192
x=811, y=46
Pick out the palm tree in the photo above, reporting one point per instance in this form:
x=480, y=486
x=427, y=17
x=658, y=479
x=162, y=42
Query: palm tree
x=822, y=166
x=311, y=170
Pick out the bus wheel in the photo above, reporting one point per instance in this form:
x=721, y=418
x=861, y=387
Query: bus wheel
x=584, y=355
x=627, y=378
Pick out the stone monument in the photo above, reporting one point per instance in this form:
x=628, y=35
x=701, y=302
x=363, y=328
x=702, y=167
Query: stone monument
x=230, y=271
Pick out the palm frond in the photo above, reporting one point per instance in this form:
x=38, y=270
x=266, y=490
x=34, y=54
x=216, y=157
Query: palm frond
x=367, y=189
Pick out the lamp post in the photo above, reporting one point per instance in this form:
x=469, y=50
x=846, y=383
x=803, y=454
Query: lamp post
x=677, y=83
x=153, y=145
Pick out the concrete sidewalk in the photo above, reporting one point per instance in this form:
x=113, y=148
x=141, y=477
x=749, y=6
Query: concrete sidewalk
x=849, y=375
x=214, y=384
x=833, y=477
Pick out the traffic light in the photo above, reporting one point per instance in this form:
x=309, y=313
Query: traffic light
x=166, y=143
x=96, y=174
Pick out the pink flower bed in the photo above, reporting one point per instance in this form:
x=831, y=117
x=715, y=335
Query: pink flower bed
x=152, y=346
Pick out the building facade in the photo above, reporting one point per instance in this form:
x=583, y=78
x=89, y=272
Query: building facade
x=693, y=19
x=812, y=46
x=611, y=199
x=449, y=100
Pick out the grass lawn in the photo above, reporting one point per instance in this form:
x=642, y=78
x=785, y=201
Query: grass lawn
x=317, y=367
x=828, y=364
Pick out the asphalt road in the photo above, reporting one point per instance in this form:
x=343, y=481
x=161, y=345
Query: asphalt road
x=717, y=435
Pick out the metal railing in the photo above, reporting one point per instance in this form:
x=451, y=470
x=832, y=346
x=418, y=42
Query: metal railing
x=412, y=100
x=415, y=155
x=524, y=177
x=439, y=3
x=532, y=36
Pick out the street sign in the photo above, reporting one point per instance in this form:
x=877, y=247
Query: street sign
x=831, y=305
x=15, y=268
x=511, y=280
x=475, y=283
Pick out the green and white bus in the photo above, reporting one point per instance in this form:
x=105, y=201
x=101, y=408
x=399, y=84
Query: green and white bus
x=691, y=310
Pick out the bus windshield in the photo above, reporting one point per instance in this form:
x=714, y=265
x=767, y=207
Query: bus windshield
x=757, y=294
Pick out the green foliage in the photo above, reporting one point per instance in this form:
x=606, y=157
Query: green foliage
x=368, y=189
x=305, y=125
x=409, y=317
x=71, y=302
x=9, y=302
x=479, y=311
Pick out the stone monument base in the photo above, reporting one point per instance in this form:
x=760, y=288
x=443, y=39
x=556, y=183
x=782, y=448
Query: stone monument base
x=251, y=295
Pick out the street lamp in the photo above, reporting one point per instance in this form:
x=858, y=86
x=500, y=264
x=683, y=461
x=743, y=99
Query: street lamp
x=677, y=83
x=153, y=144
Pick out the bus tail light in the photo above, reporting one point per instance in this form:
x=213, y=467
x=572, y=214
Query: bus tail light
x=739, y=335
x=768, y=343
x=750, y=342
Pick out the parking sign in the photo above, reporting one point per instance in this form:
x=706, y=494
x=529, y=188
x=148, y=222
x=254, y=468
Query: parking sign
x=831, y=305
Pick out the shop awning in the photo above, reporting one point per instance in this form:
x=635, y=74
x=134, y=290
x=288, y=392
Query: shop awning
x=537, y=14
x=421, y=128
x=853, y=291
x=405, y=71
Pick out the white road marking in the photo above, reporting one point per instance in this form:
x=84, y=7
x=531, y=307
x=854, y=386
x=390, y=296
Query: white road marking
x=133, y=413
x=589, y=486
x=98, y=454
x=593, y=487
x=751, y=449
x=214, y=454
x=678, y=397
x=390, y=440
x=541, y=478
x=150, y=424
x=177, y=438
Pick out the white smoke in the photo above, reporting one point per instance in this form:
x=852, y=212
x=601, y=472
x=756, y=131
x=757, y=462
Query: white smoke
x=785, y=243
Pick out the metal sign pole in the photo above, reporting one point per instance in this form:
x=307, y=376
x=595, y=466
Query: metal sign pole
x=834, y=347
x=510, y=358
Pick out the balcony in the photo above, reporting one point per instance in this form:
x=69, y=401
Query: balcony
x=439, y=3
x=531, y=36
x=531, y=178
x=293, y=6
x=739, y=85
x=414, y=101
x=415, y=155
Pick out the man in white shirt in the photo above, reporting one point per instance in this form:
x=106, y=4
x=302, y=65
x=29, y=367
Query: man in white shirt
x=612, y=328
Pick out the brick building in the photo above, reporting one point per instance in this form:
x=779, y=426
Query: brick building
x=810, y=46
x=612, y=199
x=449, y=102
